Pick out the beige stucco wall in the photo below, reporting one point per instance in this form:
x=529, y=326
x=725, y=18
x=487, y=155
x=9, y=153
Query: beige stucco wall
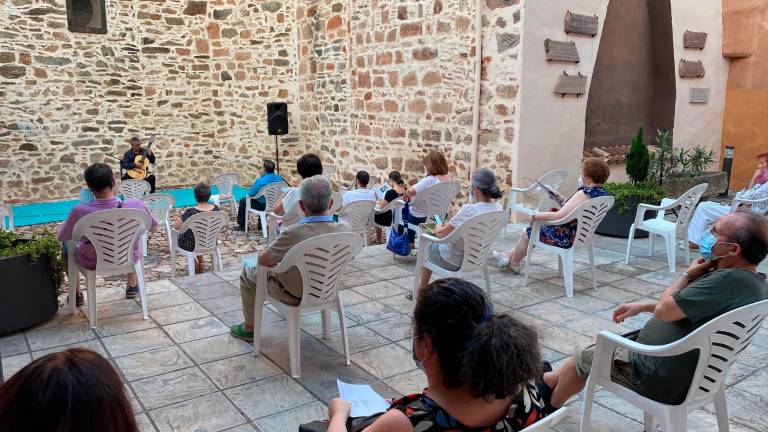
x=552, y=127
x=700, y=124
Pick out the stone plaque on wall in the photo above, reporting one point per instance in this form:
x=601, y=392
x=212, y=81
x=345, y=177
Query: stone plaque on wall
x=691, y=69
x=699, y=95
x=561, y=51
x=582, y=24
x=571, y=84
x=695, y=40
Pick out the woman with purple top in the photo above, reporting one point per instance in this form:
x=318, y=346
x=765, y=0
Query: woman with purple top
x=101, y=182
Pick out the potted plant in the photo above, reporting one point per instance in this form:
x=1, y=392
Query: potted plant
x=628, y=195
x=31, y=273
x=677, y=170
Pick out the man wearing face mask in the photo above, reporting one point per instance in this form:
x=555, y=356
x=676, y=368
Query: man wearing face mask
x=724, y=279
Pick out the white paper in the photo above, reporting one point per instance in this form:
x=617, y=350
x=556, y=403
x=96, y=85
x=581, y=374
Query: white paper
x=365, y=401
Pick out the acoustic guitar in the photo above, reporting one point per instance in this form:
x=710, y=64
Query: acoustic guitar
x=141, y=169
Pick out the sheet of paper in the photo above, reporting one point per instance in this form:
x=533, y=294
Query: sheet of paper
x=365, y=401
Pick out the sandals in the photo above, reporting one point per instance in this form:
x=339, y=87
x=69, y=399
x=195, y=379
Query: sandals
x=238, y=331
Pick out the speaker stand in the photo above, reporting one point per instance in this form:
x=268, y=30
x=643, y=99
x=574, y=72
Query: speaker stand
x=277, y=156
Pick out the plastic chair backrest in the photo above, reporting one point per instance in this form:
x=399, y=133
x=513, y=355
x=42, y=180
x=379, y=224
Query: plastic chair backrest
x=688, y=202
x=113, y=234
x=272, y=193
x=357, y=214
x=338, y=201
x=160, y=205
x=719, y=342
x=321, y=260
x=589, y=214
x=478, y=233
x=6, y=211
x=133, y=189
x=554, y=178
x=224, y=183
x=436, y=199
x=206, y=227
x=329, y=171
x=547, y=422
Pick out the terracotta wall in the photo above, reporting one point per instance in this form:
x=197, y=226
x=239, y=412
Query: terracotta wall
x=745, y=123
x=633, y=82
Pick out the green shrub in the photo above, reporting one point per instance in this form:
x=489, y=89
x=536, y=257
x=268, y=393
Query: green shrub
x=638, y=159
x=627, y=194
x=45, y=244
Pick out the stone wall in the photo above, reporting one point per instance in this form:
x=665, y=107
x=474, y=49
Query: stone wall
x=370, y=84
x=382, y=83
x=196, y=73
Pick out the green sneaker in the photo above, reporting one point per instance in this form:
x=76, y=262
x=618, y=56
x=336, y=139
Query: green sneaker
x=238, y=331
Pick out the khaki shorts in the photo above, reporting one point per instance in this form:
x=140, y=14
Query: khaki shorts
x=621, y=369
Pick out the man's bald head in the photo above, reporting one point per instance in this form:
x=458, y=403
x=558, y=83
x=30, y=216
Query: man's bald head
x=750, y=231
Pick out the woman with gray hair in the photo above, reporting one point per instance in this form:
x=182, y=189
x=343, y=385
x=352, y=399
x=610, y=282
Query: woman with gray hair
x=482, y=199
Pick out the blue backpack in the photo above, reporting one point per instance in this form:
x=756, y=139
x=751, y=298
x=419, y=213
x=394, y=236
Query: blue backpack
x=398, y=243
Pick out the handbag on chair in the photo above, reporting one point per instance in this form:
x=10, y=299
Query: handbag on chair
x=398, y=243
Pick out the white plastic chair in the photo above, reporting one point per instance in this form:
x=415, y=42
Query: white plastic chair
x=337, y=202
x=358, y=215
x=320, y=260
x=272, y=193
x=291, y=217
x=719, y=342
x=552, y=179
x=436, y=199
x=670, y=230
x=748, y=202
x=547, y=422
x=160, y=206
x=396, y=216
x=478, y=234
x=113, y=233
x=206, y=227
x=329, y=171
x=133, y=189
x=224, y=183
x=588, y=216
x=6, y=212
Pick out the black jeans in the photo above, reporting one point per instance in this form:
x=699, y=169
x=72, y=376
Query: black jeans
x=413, y=220
x=241, y=209
x=150, y=179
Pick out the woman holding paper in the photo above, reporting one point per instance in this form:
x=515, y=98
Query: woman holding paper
x=480, y=368
x=594, y=172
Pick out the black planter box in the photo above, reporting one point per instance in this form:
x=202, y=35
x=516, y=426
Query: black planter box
x=27, y=292
x=617, y=225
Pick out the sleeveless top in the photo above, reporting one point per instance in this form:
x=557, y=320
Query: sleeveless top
x=427, y=416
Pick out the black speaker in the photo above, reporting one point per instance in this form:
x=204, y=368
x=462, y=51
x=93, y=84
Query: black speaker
x=277, y=118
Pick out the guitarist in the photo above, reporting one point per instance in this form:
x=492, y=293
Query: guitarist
x=136, y=160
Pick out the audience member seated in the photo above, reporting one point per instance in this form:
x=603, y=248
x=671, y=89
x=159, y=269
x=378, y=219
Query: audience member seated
x=482, y=196
x=437, y=172
x=73, y=390
x=267, y=178
x=594, y=172
x=361, y=191
x=101, y=182
x=709, y=211
x=315, y=201
x=480, y=368
x=187, y=238
x=726, y=278
x=308, y=165
x=397, y=189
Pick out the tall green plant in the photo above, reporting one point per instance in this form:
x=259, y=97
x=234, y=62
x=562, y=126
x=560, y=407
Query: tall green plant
x=638, y=159
x=660, y=163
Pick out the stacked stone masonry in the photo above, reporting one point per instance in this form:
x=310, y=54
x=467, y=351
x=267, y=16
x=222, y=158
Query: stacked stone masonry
x=370, y=85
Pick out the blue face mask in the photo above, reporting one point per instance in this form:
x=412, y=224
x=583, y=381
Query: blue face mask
x=86, y=196
x=706, y=243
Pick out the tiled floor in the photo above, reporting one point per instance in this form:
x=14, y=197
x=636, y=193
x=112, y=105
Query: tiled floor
x=184, y=372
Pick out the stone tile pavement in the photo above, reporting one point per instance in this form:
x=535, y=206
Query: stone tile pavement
x=184, y=372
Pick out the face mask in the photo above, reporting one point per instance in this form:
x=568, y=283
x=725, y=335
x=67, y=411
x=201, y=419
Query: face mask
x=581, y=182
x=86, y=196
x=472, y=198
x=706, y=243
